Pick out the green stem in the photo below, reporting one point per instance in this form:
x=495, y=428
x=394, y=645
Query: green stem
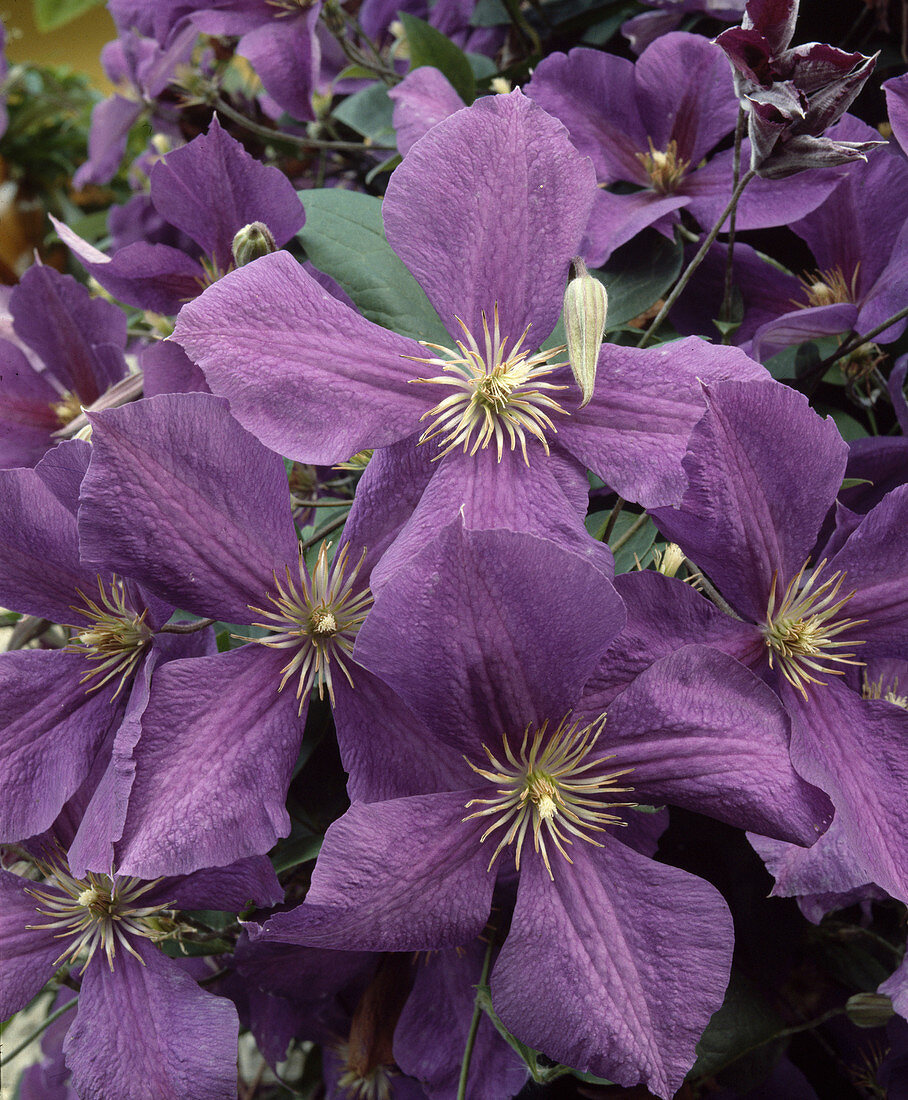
x=613, y=519
x=186, y=628
x=326, y=530
x=474, y=1023
x=52, y=1018
x=854, y=342
x=299, y=142
x=630, y=532
x=725, y=308
x=697, y=260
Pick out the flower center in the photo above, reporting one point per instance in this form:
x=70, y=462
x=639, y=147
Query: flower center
x=800, y=632
x=828, y=288
x=665, y=169
x=319, y=617
x=553, y=784
x=116, y=637
x=498, y=393
x=67, y=408
x=95, y=912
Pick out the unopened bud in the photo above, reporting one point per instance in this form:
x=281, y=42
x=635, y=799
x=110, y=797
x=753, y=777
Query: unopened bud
x=670, y=560
x=585, y=308
x=252, y=241
x=869, y=1009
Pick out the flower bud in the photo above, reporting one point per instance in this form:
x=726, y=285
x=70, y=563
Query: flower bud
x=585, y=308
x=869, y=1009
x=252, y=241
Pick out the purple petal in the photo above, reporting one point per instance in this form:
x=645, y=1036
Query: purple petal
x=215, y=793
x=499, y=612
x=633, y=957
x=634, y=431
x=617, y=219
x=404, y=875
x=285, y=56
x=754, y=507
x=180, y=497
x=111, y=121
x=875, y=562
x=547, y=498
x=27, y=955
x=166, y=368
x=803, y=324
x=230, y=889
x=431, y=1033
x=307, y=375
x=212, y=187
x=112, y=1050
x=52, y=732
x=701, y=731
x=857, y=751
x=150, y=276
x=422, y=99
x=594, y=95
x=828, y=867
x=508, y=202
x=897, y=106
x=26, y=414
x=685, y=94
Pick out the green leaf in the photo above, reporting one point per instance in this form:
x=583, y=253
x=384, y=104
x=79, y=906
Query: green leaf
x=638, y=546
x=344, y=237
x=637, y=275
x=851, y=482
x=430, y=47
x=51, y=14
x=744, y=1023
x=300, y=847
x=489, y=13
x=369, y=112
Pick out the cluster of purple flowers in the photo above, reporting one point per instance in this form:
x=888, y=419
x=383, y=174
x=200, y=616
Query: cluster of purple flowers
x=517, y=719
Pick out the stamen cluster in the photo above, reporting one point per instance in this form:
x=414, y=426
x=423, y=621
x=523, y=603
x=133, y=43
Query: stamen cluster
x=800, y=631
x=546, y=783
x=664, y=168
x=95, y=912
x=319, y=617
x=499, y=393
x=117, y=637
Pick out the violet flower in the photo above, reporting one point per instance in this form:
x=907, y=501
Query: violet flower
x=63, y=711
x=792, y=96
x=486, y=210
x=645, y=28
x=212, y=527
x=600, y=933
x=764, y=470
x=107, y=926
x=208, y=189
x=69, y=350
x=652, y=124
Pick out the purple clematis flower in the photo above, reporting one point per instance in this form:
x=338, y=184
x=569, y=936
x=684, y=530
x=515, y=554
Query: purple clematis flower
x=646, y=27
x=212, y=527
x=600, y=933
x=805, y=617
x=68, y=351
x=651, y=124
x=107, y=926
x=490, y=241
x=208, y=189
x=63, y=711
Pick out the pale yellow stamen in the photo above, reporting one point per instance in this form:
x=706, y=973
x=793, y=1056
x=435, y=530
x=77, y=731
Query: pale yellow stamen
x=827, y=288
x=116, y=638
x=319, y=618
x=664, y=168
x=499, y=395
x=800, y=632
x=547, y=785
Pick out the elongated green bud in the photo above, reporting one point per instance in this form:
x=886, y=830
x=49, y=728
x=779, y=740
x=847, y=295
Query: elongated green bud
x=252, y=241
x=869, y=1009
x=585, y=308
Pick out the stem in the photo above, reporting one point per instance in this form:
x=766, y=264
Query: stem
x=296, y=140
x=630, y=532
x=710, y=591
x=852, y=343
x=788, y=1031
x=697, y=260
x=52, y=1018
x=613, y=519
x=474, y=1023
x=725, y=309
x=326, y=530
x=187, y=628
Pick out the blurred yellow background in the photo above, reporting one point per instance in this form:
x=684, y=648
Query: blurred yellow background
x=77, y=45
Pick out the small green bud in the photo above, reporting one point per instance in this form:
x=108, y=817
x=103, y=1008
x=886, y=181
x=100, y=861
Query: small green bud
x=869, y=1009
x=252, y=241
x=585, y=308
